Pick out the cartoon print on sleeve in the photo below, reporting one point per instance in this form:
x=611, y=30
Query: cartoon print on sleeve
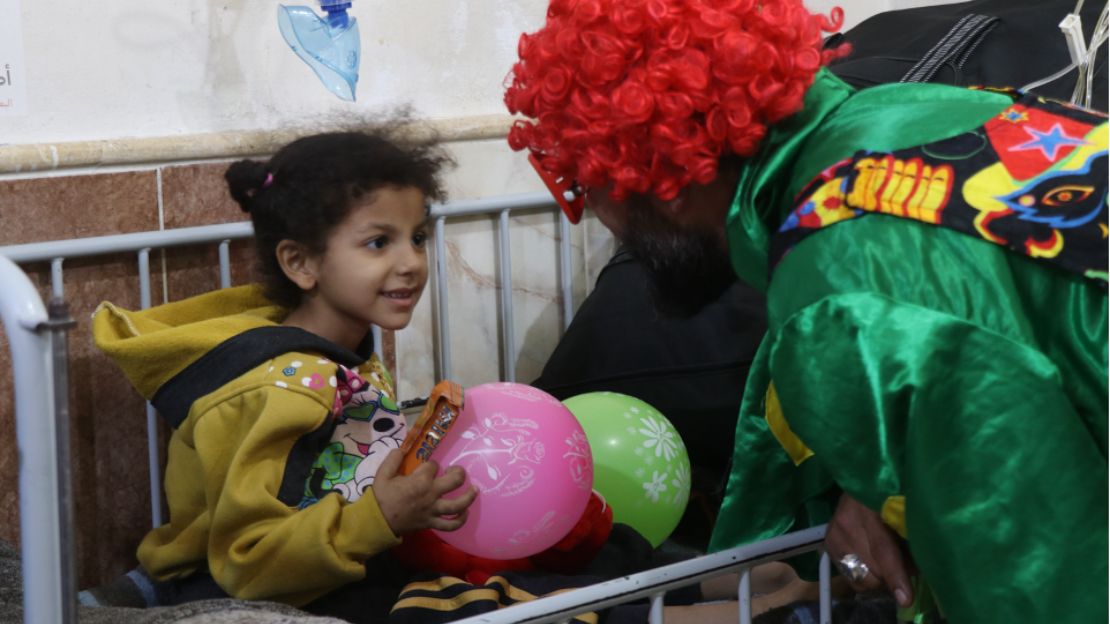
x=368, y=425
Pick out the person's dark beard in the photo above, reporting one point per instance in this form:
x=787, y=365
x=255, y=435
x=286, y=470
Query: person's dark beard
x=686, y=268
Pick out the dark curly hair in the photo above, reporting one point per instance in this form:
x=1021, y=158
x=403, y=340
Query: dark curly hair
x=311, y=184
x=650, y=94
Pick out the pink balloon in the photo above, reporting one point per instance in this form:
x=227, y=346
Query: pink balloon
x=530, y=461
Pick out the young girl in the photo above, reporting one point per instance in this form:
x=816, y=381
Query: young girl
x=282, y=472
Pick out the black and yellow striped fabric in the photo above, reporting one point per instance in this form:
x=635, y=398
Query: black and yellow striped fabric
x=447, y=598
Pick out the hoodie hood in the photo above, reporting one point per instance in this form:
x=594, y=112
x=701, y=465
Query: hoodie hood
x=152, y=346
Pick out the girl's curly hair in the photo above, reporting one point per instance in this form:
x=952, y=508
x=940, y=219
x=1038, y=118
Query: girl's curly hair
x=650, y=94
x=311, y=185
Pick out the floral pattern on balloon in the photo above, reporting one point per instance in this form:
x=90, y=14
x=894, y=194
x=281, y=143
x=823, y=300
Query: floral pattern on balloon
x=530, y=461
x=542, y=526
x=489, y=442
x=661, y=437
x=580, y=460
x=681, y=483
x=641, y=467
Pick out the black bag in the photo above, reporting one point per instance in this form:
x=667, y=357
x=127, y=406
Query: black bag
x=994, y=43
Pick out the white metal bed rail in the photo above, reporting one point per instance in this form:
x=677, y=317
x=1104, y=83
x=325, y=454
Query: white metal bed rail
x=652, y=584
x=47, y=571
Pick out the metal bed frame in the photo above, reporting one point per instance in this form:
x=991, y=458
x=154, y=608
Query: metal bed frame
x=37, y=338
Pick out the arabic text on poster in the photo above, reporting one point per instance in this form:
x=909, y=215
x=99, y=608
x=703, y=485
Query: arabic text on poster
x=13, y=94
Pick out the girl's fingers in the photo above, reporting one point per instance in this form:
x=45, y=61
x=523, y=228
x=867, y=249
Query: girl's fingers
x=389, y=466
x=426, y=470
x=452, y=506
x=450, y=480
x=451, y=523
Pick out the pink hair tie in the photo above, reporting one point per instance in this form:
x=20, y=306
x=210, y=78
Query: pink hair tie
x=269, y=180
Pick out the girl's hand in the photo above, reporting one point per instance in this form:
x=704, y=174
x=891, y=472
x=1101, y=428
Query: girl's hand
x=413, y=502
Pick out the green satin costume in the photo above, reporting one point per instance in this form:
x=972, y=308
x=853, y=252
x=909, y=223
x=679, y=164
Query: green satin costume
x=956, y=387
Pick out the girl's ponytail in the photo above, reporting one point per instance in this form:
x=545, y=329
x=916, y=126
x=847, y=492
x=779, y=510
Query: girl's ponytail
x=245, y=179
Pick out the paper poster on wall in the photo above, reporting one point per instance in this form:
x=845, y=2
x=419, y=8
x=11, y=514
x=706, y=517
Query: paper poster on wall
x=13, y=96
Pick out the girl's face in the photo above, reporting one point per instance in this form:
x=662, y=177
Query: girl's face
x=375, y=266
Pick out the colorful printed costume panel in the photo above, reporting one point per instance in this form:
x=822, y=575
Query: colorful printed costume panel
x=1033, y=179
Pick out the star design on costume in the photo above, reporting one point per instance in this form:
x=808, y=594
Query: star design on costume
x=1013, y=115
x=1048, y=142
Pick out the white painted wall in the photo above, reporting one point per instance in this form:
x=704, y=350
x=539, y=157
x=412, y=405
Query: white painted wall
x=137, y=68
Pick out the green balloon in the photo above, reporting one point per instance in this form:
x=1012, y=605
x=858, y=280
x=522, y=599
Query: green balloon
x=640, y=463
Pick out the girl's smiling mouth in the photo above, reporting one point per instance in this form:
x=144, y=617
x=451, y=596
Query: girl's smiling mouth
x=401, y=296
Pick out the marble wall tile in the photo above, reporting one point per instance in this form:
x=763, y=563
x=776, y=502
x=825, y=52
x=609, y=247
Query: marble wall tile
x=197, y=195
x=194, y=270
x=43, y=209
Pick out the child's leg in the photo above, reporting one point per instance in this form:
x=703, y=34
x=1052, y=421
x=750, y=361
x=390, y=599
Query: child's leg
x=766, y=578
x=773, y=585
x=708, y=613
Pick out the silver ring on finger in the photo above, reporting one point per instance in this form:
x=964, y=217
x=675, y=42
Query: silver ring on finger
x=853, y=568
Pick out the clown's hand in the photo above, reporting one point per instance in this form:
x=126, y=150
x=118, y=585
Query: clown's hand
x=857, y=530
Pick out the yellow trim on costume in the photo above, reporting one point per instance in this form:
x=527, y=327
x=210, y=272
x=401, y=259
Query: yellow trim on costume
x=894, y=514
x=795, y=448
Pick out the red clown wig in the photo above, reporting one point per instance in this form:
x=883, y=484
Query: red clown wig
x=649, y=94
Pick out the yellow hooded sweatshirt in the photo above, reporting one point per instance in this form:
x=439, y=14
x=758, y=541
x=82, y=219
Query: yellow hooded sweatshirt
x=244, y=445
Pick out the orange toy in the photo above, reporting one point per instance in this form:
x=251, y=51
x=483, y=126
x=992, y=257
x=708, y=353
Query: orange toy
x=440, y=413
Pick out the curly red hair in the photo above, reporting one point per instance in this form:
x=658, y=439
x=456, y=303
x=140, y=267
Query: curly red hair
x=649, y=94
